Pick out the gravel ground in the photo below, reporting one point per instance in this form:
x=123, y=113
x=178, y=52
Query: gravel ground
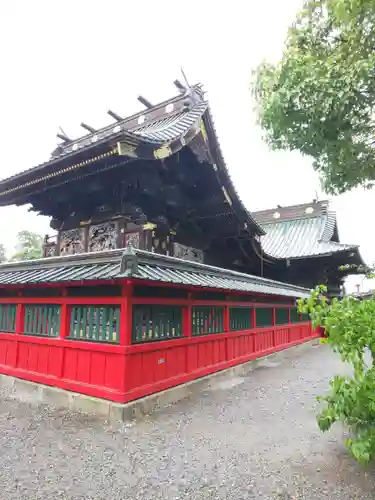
x=246, y=438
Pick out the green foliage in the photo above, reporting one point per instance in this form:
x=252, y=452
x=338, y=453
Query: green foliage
x=29, y=246
x=319, y=98
x=350, y=331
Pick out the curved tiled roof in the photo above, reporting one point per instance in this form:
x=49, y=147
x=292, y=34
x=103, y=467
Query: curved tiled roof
x=300, y=231
x=139, y=265
x=170, y=125
x=165, y=127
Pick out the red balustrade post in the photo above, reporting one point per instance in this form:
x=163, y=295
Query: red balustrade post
x=19, y=329
x=64, y=321
x=20, y=319
x=226, y=319
x=126, y=314
x=64, y=318
x=186, y=318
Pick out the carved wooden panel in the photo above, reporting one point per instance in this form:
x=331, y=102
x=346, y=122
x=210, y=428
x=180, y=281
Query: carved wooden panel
x=187, y=253
x=72, y=241
x=160, y=245
x=50, y=250
x=131, y=239
x=103, y=237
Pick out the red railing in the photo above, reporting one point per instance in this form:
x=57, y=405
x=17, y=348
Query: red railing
x=120, y=370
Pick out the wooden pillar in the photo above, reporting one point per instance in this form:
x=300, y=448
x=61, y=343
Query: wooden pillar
x=64, y=321
x=64, y=318
x=20, y=318
x=252, y=317
x=226, y=319
x=186, y=318
x=126, y=314
x=274, y=325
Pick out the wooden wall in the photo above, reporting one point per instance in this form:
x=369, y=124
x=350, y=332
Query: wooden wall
x=126, y=341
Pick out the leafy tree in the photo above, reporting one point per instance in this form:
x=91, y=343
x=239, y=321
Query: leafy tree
x=319, y=99
x=350, y=331
x=29, y=246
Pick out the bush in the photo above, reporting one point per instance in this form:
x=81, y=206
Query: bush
x=349, y=325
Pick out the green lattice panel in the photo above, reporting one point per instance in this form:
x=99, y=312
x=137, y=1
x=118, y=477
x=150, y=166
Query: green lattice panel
x=264, y=317
x=240, y=318
x=207, y=319
x=95, y=323
x=8, y=318
x=43, y=320
x=154, y=322
x=295, y=316
x=281, y=316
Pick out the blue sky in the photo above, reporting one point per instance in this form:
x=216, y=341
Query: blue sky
x=67, y=62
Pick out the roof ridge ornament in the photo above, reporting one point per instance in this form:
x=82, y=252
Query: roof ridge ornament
x=129, y=262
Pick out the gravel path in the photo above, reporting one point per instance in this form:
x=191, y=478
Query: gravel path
x=245, y=438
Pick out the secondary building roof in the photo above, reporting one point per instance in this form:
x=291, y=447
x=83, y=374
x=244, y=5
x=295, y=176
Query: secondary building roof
x=300, y=231
x=137, y=264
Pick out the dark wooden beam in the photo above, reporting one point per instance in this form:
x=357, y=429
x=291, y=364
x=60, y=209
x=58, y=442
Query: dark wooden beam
x=114, y=115
x=64, y=137
x=145, y=102
x=88, y=128
x=180, y=86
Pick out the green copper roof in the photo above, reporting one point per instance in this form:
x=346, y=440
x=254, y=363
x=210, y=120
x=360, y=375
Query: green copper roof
x=301, y=231
x=137, y=264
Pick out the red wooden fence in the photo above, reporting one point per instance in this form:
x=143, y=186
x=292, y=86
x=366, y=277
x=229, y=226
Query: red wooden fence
x=117, y=368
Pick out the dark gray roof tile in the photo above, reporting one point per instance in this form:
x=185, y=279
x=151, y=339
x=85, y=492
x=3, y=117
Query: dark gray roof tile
x=300, y=231
x=149, y=266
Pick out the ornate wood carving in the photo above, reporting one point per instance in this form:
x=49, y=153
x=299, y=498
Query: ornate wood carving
x=131, y=239
x=161, y=244
x=50, y=250
x=103, y=236
x=187, y=253
x=72, y=241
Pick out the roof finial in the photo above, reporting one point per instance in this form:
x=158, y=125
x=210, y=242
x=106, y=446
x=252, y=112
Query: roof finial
x=129, y=262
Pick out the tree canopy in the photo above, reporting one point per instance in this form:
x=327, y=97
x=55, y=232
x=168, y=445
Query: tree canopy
x=319, y=98
x=29, y=246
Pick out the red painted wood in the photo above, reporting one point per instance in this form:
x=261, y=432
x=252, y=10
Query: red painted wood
x=121, y=374
x=19, y=316
x=77, y=301
x=64, y=321
x=165, y=384
x=125, y=372
x=126, y=313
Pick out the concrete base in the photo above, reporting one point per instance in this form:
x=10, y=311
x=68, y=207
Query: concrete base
x=34, y=393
